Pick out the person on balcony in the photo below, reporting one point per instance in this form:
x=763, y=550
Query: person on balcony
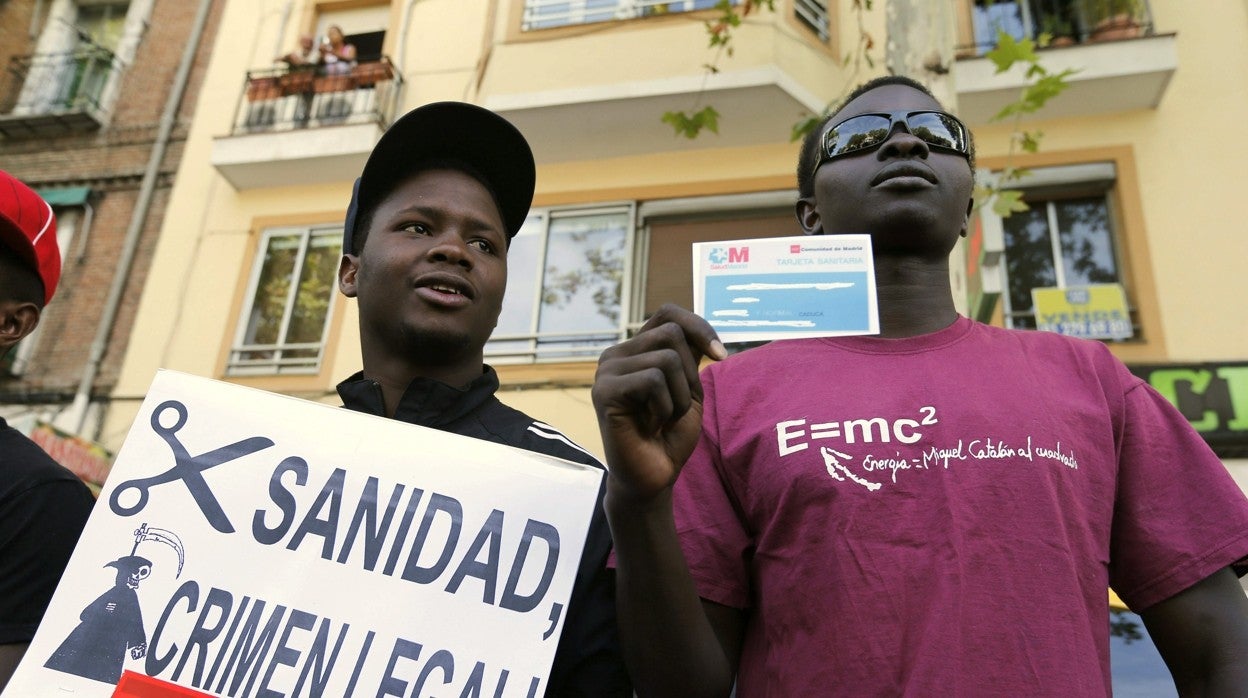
x=337, y=56
x=306, y=55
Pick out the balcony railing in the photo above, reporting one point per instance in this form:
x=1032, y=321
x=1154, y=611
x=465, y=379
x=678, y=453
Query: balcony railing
x=286, y=99
x=1067, y=22
x=48, y=92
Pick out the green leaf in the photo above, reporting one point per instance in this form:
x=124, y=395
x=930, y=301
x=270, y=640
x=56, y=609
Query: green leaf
x=1007, y=111
x=690, y=125
x=1008, y=51
x=682, y=123
x=1008, y=201
x=709, y=119
x=1029, y=141
x=803, y=127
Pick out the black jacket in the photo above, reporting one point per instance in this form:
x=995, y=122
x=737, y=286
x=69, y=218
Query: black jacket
x=588, y=660
x=43, y=509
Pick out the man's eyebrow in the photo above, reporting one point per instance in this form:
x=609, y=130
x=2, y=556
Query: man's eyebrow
x=436, y=213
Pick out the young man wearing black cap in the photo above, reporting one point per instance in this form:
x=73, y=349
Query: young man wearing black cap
x=43, y=506
x=425, y=256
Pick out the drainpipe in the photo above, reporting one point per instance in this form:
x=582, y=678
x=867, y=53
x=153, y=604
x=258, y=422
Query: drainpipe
x=138, y=219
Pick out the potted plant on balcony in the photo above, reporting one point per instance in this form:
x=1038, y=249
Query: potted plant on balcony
x=1114, y=19
x=1059, y=28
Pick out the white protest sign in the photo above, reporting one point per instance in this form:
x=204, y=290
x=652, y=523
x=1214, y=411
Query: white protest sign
x=252, y=544
x=786, y=288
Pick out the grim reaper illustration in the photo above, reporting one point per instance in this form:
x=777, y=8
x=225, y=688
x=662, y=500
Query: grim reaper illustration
x=112, y=626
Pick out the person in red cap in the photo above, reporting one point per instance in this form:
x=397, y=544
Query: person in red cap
x=43, y=506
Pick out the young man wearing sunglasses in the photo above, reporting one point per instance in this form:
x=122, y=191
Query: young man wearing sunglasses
x=934, y=511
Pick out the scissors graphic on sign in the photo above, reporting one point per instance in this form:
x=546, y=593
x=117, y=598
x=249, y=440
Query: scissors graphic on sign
x=187, y=468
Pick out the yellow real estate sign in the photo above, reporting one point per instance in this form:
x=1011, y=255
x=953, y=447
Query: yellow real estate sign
x=1091, y=312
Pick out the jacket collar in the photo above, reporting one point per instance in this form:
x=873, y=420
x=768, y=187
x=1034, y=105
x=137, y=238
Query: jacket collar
x=426, y=402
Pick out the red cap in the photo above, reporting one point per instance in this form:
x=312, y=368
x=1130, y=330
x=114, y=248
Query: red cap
x=28, y=227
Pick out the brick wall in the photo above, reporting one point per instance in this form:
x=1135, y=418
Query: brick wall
x=110, y=161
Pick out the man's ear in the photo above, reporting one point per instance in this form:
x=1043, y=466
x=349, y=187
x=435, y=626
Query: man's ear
x=348, y=269
x=17, y=319
x=808, y=216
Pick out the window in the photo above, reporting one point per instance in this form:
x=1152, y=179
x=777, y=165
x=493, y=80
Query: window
x=814, y=15
x=363, y=26
x=671, y=232
x=579, y=279
x=544, y=14
x=1065, y=21
x=989, y=18
x=1066, y=238
x=82, y=49
x=565, y=278
x=289, y=298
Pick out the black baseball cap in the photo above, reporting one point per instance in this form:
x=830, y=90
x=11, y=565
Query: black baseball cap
x=452, y=131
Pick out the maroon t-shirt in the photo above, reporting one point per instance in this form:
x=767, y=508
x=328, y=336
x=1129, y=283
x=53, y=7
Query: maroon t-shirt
x=942, y=515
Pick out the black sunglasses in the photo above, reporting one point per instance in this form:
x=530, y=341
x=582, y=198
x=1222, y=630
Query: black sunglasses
x=864, y=131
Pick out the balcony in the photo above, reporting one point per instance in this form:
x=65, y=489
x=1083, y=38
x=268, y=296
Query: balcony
x=52, y=94
x=579, y=93
x=303, y=126
x=1122, y=63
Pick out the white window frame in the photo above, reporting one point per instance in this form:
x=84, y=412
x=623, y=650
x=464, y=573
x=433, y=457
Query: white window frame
x=533, y=351
x=236, y=365
x=587, y=12
x=815, y=15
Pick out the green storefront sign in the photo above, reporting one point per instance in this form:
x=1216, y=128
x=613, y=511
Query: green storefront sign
x=1212, y=396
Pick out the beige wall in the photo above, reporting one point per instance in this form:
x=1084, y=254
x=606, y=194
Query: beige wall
x=189, y=308
x=1186, y=160
x=1188, y=186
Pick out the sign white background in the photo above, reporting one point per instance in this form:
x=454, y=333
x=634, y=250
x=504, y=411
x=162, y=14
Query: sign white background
x=799, y=263
x=482, y=476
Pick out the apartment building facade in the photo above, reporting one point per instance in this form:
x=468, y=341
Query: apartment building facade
x=1131, y=188
x=84, y=89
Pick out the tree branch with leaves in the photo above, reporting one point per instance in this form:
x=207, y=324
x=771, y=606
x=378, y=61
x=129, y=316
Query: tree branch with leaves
x=1041, y=86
